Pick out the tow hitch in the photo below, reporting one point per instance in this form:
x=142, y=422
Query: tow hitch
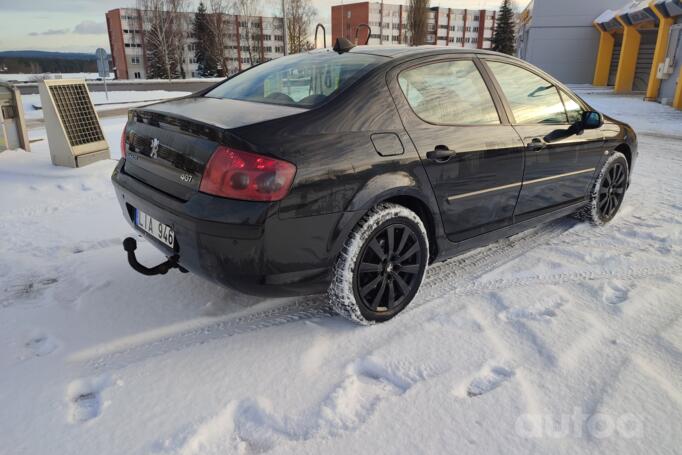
x=130, y=245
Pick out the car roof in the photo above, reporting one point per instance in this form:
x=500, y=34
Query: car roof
x=395, y=51
x=401, y=51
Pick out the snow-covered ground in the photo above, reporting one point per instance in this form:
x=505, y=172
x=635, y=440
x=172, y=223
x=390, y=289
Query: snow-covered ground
x=564, y=339
x=116, y=100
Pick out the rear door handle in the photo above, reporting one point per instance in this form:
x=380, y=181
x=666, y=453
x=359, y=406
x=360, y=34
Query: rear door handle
x=536, y=144
x=440, y=154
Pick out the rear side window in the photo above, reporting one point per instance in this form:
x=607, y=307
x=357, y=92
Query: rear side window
x=532, y=98
x=301, y=80
x=451, y=93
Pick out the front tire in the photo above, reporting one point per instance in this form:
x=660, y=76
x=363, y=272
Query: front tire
x=381, y=266
x=608, y=191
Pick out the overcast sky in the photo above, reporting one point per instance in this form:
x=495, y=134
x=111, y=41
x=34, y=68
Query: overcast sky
x=79, y=25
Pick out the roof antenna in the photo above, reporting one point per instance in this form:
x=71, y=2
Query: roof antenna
x=324, y=34
x=343, y=45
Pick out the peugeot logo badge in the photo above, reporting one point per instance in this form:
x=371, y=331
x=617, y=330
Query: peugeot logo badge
x=154, y=153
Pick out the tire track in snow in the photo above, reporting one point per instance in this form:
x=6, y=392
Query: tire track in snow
x=468, y=266
x=452, y=276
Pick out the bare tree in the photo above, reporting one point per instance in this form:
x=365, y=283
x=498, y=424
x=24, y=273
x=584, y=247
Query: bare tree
x=300, y=15
x=164, y=37
x=249, y=12
x=219, y=27
x=416, y=21
x=182, y=25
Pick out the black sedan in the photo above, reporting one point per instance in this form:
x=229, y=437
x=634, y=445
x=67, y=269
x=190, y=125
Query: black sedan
x=348, y=171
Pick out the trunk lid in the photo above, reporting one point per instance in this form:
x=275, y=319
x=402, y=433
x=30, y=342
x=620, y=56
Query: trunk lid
x=170, y=143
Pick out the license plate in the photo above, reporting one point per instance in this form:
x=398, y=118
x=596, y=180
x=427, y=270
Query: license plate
x=158, y=230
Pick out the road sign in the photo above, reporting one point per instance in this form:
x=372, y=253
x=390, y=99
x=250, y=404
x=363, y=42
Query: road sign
x=103, y=67
x=102, y=62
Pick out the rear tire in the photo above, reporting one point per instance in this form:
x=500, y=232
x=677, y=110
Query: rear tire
x=381, y=266
x=608, y=191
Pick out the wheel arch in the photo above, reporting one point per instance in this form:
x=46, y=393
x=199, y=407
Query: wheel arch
x=419, y=207
x=625, y=150
x=403, y=189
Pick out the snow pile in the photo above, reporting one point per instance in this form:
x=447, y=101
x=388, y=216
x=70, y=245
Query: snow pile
x=563, y=339
x=33, y=106
x=28, y=77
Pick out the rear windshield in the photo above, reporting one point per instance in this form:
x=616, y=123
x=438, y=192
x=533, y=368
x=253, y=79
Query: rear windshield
x=301, y=80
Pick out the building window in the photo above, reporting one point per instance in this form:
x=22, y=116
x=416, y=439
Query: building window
x=135, y=60
x=137, y=75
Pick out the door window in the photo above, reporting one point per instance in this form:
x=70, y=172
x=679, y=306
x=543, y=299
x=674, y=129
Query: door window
x=532, y=99
x=451, y=93
x=573, y=109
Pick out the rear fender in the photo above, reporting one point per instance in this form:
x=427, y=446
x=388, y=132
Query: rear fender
x=382, y=188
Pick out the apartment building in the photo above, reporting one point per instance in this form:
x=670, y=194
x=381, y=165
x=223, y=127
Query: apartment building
x=126, y=29
x=465, y=28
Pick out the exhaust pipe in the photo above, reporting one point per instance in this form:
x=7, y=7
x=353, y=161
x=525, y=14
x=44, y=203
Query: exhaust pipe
x=130, y=245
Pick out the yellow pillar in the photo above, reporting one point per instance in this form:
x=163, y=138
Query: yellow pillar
x=664, y=24
x=604, y=56
x=677, y=101
x=627, y=62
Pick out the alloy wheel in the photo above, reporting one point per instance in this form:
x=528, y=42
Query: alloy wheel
x=390, y=268
x=612, y=190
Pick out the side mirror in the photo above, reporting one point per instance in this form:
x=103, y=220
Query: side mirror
x=592, y=120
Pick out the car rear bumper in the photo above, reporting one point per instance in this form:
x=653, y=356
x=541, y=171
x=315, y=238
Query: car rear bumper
x=240, y=244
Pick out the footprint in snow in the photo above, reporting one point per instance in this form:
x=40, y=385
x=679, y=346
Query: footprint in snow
x=26, y=289
x=253, y=426
x=540, y=311
x=614, y=292
x=41, y=345
x=487, y=380
x=85, y=398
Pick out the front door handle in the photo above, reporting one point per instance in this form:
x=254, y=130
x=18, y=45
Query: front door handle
x=536, y=144
x=440, y=154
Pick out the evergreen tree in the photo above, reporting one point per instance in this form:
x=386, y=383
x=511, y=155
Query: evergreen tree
x=503, y=36
x=208, y=63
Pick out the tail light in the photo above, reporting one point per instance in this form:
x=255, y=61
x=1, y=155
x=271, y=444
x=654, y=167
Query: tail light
x=123, y=143
x=247, y=176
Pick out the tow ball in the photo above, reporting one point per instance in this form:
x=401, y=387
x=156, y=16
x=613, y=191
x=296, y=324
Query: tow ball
x=130, y=245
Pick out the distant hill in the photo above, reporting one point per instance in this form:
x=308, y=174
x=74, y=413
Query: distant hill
x=36, y=62
x=46, y=54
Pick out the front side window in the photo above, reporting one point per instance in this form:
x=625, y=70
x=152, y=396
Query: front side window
x=573, y=109
x=452, y=93
x=532, y=99
x=301, y=80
